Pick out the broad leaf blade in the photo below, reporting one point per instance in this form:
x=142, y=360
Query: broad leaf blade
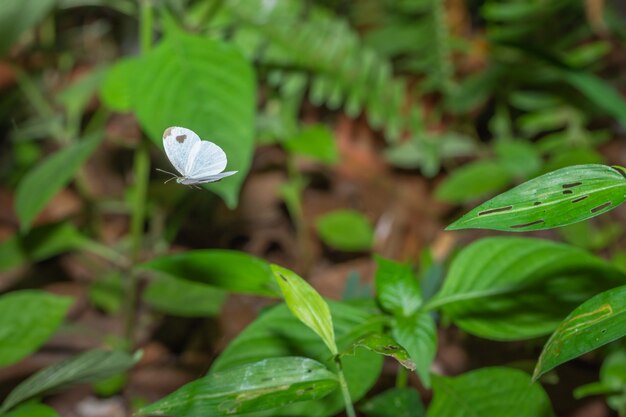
x=418, y=335
x=396, y=402
x=48, y=177
x=307, y=305
x=489, y=392
x=184, y=298
x=397, y=289
x=94, y=365
x=277, y=332
x=315, y=142
x=561, y=197
x=27, y=319
x=507, y=288
x=262, y=385
x=226, y=269
x=473, y=181
x=594, y=323
x=346, y=230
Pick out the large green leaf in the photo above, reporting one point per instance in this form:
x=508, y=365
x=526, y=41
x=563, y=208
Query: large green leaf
x=489, y=392
x=196, y=82
x=17, y=16
x=48, y=177
x=473, y=181
x=94, y=365
x=27, y=319
x=278, y=333
x=555, y=199
x=507, y=288
x=41, y=243
x=396, y=402
x=263, y=385
x=418, y=335
x=397, y=289
x=229, y=270
x=346, y=230
x=184, y=298
x=594, y=323
x=307, y=305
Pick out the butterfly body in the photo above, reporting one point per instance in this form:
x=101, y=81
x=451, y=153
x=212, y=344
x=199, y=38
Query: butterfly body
x=198, y=161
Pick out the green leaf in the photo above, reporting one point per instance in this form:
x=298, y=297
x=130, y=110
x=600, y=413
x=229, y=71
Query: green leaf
x=262, y=385
x=17, y=16
x=612, y=378
x=27, y=319
x=316, y=142
x=48, y=177
x=40, y=243
x=383, y=345
x=473, y=181
x=229, y=270
x=94, y=365
x=558, y=198
x=184, y=298
x=116, y=91
x=76, y=96
x=198, y=83
x=418, y=335
x=507, y=288
x=395, y=402
x=32, y=410
x=598, y=91
x=346, y=230
x=489, y=392
x=277, y=332
x=107, y=292
x=520, y=158
x=307, y=305
x=397, y=289
x=594, y=323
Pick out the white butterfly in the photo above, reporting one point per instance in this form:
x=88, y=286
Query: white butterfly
x=198, y=161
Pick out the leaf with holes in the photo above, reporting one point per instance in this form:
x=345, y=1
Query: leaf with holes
x=196, y=82
x=277, y=332
x=558, y=198
x=511, y=288
x=94, y=365
x=594, y=323
x=307, y=305
x=489, y=392
x=263, y=385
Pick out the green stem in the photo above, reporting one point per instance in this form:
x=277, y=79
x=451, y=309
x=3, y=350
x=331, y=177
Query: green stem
x=344, y=388
x=141, y=175
x=402, y=377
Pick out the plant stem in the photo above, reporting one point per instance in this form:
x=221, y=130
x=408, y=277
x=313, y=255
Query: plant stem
x=401, y=377
x=141, y=174
x=344, y=388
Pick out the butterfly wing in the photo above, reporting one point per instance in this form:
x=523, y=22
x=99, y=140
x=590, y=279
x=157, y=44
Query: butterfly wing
x=205, y=159
x=208, y=178
x=178, y=143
